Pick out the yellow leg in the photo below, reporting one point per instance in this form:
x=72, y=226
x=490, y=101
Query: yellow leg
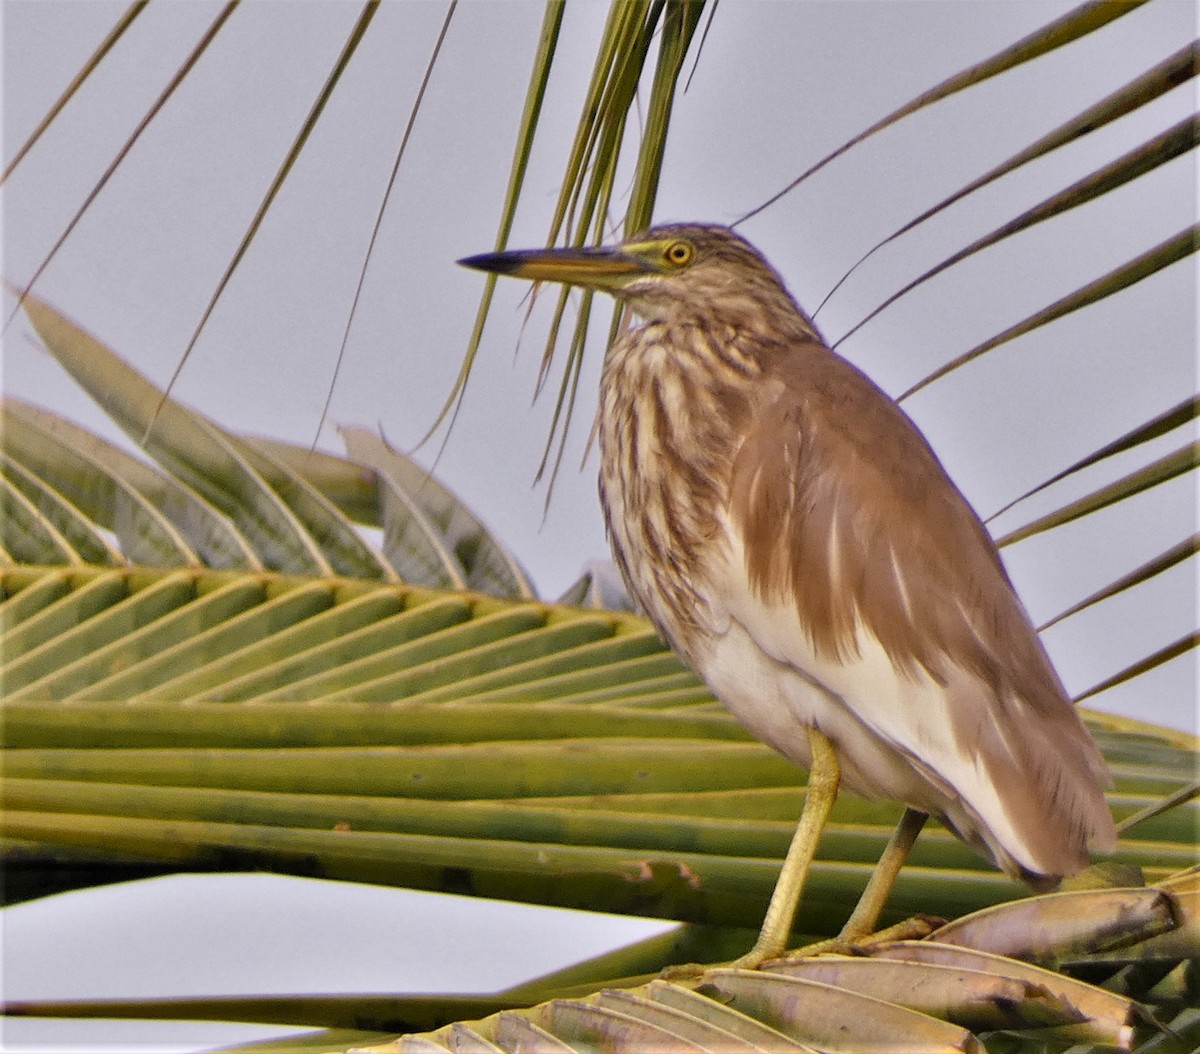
x=870, y=905
x=859, y=929
x=823, y=780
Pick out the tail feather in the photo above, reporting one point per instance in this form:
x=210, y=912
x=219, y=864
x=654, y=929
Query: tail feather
x=1039, y=806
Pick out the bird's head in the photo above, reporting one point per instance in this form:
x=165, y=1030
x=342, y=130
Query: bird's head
x=680, y=270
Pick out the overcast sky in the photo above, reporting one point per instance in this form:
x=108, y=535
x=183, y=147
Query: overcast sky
x=778, y=86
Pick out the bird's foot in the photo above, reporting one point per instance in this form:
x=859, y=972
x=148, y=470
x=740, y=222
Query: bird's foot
x=911, y=929
x=853, y=943
x=687, y=971
x=848, y=942
x=754, y=958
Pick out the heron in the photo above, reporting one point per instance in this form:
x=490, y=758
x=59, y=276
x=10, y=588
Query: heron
x=793, y=536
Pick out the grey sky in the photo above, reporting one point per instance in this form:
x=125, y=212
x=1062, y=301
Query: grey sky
x=779, y=85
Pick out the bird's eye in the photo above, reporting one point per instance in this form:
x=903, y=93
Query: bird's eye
x=679, y=253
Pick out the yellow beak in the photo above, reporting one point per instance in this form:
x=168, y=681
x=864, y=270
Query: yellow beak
x=596, y=268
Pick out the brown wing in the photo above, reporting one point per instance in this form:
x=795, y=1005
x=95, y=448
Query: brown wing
x=842, y=505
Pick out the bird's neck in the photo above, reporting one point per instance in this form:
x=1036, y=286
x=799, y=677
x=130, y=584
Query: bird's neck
x=672, y=406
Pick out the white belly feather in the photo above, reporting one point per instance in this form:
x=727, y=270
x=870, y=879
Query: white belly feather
x=894, y=735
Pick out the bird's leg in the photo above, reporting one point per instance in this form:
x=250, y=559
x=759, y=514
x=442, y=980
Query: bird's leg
x=863, y=919
x=870, y=905
x=823, y=778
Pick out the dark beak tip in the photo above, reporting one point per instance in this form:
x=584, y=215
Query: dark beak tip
x=498, y=263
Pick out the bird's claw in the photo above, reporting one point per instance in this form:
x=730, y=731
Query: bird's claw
x=752, y=960
x=843, y=944
x=915, y=928
x=686, y=971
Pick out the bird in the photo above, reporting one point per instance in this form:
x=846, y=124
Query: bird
x=793, y=536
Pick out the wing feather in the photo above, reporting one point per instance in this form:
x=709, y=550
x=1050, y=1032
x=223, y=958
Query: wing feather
x=844, y=516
